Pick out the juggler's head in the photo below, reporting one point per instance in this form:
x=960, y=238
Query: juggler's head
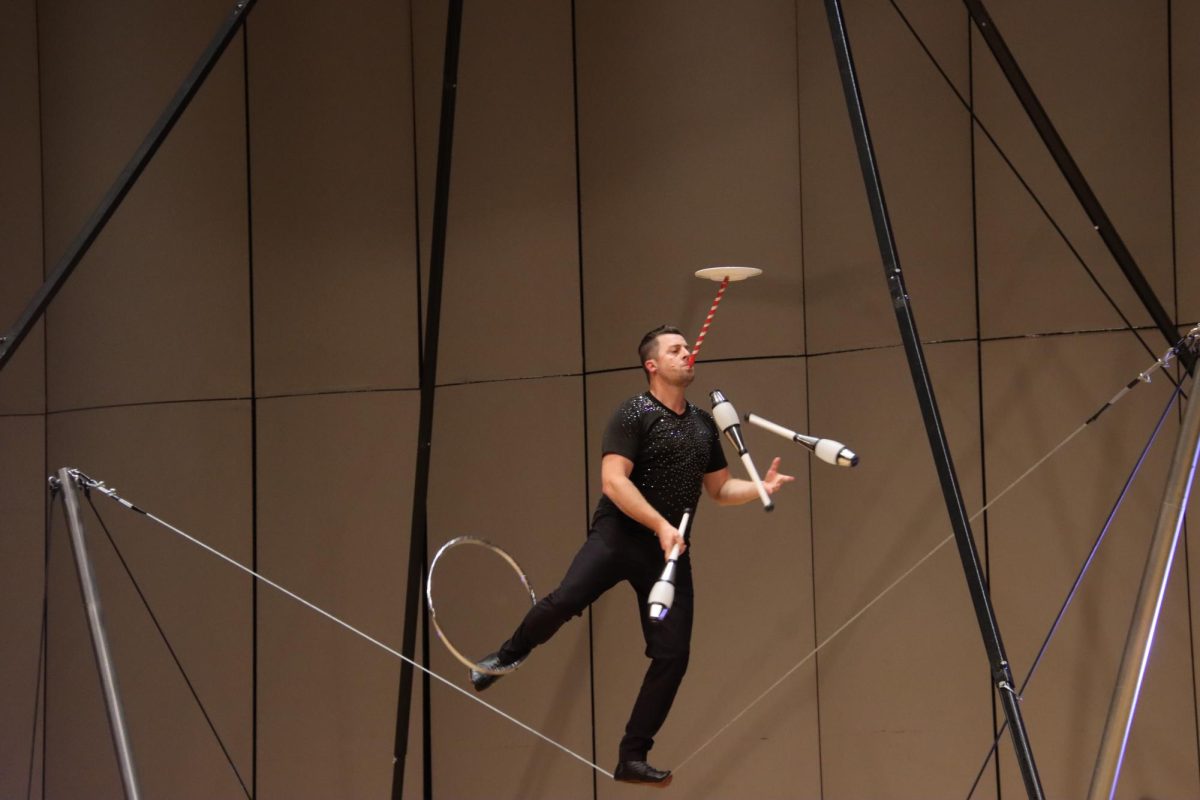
x=666, y=358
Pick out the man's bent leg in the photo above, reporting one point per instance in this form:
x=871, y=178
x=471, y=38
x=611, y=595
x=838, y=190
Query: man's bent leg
x=595, y=569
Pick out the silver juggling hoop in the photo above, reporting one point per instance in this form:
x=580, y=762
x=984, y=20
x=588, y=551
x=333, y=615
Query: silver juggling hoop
x=475, y=540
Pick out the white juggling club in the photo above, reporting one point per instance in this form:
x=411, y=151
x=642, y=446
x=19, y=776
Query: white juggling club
x=827, y=450
x=727, y=420
x=662, y=594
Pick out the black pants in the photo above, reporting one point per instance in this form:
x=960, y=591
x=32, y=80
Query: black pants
x=611, y=555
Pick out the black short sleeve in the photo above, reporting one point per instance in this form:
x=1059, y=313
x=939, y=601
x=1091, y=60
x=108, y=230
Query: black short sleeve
x=716, y=455
x=623, y=434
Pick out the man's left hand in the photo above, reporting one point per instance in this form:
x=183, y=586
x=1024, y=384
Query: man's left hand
x=774, y=479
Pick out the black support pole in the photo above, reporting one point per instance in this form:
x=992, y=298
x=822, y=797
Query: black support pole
x=124, y=182
x=1074, y=176
x=1002, y=679
x=418, y=551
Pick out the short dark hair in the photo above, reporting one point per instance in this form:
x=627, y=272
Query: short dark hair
x=648, y=349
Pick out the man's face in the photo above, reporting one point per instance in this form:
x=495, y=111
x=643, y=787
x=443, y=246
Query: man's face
x=672, y=361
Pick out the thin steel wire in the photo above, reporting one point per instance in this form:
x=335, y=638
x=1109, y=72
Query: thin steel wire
x=878, y=597
x=40, y=688
x=312, y=606
x=1021, y=179
x=1143, y=377
x=1087, y=562
x=37, y=706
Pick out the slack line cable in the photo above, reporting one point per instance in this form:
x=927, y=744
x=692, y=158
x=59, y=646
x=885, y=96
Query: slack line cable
x=1143, y=377
x=91, y=484
x=1087, y=563
x=99, y=486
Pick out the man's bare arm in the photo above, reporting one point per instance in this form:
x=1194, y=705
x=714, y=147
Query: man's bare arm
x=729, y=491
x=614, y=475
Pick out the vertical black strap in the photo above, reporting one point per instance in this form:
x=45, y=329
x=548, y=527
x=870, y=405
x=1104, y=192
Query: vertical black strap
x=418, y=552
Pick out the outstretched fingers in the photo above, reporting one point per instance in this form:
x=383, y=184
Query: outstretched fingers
x=775, y=479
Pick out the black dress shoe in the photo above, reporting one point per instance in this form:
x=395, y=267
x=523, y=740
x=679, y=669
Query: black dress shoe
x=641, y=772
x=482, y=680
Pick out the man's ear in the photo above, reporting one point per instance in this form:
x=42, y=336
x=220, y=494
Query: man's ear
x=650, y=366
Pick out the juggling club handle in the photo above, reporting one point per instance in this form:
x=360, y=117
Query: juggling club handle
x=662, y=594
x=828, y=450
x=768, y=505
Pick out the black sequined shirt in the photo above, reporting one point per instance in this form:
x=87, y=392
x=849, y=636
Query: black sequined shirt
x=671, y=454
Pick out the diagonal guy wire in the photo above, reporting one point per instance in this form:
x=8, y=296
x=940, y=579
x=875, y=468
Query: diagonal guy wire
x=1087, y=562
x=1143, y=377
x=163, y=634
x=1017, y=174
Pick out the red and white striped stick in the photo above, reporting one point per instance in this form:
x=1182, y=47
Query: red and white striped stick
x=708, y=320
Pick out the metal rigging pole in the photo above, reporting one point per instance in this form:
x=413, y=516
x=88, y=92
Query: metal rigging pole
x=1002, y=678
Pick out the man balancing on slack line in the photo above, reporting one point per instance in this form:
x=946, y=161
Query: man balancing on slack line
x=658, y=450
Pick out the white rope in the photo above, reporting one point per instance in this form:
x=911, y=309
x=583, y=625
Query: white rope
x=1143, y=377
x=352, y=629
x=876, y=599
x=112, y=494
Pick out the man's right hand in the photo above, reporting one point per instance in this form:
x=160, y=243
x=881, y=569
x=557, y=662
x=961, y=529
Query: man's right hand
x=668, y=537
x=615, y=471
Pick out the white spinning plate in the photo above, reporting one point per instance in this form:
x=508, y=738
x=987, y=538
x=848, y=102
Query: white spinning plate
x=733, y=273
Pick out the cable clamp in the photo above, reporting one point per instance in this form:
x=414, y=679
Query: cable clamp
x=1165, y=361
x=87, y=483
x=1005, y=686
x=1191, y=339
